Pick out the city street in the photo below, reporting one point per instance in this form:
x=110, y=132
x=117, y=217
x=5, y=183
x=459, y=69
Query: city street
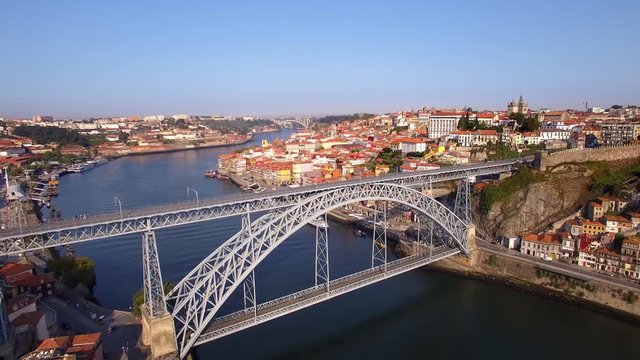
x=561, y=268
x=120, y=330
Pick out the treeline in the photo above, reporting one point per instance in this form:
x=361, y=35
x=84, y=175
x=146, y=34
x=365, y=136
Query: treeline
x=236, y=126
x=73, y=271
x=50, y=134
x=334, y=119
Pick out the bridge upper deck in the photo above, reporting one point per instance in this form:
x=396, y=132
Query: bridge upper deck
x=238, y=201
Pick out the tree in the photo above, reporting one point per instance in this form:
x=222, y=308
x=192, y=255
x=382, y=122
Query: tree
x=73, y=271
x=463, y=123
x=48, y=134
x=531, y=123
x=138, y=297
x=15, y=171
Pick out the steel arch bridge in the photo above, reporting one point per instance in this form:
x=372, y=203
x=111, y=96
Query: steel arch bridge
x=198, y=297
x=195, y=301
x=304, y=122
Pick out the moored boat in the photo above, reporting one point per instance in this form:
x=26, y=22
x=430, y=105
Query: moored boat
x=358, y=232
x=211, y=174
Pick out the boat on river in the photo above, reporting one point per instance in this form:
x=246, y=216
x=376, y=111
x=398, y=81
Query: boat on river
x=358, y=232
x=81, y=167
x=211, y=174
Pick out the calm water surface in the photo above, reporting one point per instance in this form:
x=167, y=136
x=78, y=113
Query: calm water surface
x=416, y=315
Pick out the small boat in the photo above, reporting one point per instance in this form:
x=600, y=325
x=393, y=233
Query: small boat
x=78, y=168
x=358, y=232
x=318, y=222
x=69, y=249
x=211, y=174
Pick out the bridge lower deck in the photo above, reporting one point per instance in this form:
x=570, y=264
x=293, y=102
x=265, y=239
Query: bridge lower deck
x=243, y=319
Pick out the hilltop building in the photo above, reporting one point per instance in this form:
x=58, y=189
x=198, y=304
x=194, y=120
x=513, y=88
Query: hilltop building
x=520, y=107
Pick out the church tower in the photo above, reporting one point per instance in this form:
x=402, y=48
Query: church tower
x=517, y=107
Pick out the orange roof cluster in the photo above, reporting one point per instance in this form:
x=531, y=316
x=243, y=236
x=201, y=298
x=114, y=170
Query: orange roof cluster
x=547, y=238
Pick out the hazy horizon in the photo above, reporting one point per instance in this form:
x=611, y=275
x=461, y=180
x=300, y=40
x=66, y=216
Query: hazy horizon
x=117, y=58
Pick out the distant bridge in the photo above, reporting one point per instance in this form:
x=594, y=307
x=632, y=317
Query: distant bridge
x=187, y=316
x=305, y=122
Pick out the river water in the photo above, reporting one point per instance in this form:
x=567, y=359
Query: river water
x=416, y=315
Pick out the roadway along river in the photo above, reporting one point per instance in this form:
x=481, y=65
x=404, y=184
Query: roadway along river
x=416, y=315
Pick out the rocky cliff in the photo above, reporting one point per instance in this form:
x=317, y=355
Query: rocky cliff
x=564, y=191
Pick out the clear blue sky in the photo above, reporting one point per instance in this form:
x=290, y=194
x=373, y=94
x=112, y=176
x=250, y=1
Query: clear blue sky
x=107, y=58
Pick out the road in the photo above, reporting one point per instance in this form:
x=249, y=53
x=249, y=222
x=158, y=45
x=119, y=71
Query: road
x=575, y=271
x=120, y=330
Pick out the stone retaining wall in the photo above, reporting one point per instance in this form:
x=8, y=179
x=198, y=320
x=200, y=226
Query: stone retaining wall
x=545, y=159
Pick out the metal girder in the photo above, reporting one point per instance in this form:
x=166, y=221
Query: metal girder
x=243, y=319
x=304, y=122
x=463, y=198
x=202, y=292
x=379, y=243
x=152, y=277
x=322, y=253
x=64, y=232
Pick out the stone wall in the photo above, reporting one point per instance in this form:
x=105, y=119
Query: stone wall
x=544, y=159
x=524, y=276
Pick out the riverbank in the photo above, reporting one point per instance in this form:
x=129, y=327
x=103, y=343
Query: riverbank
x=181, y=148
x=525, y=277
x=77, y=312
x=618, y=302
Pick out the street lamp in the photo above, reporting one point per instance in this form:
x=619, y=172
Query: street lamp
x=195, y=192
x=119, y=206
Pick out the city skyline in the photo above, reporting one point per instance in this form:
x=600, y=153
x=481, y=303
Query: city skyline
x=286, y=58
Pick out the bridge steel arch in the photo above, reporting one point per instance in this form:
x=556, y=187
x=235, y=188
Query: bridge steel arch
x=202, y=292
x=305, y=123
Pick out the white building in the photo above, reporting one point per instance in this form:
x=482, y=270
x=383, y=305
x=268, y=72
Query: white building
x=549, y=134
x=596, y=110
x=181, y=117
x=408, y=145
x=153, y=118
x=443, y=124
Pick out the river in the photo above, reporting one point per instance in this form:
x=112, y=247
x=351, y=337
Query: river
x=416, y=315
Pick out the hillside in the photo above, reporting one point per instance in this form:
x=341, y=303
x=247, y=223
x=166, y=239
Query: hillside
x=532, y=200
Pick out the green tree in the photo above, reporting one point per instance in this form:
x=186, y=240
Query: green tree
x=531, y=123
x=48, y=134
x=138, y=297
x=15, y=171
x=73, y=271
x=463, y=123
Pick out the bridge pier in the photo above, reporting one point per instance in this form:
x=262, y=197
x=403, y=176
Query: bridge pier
x=158, y=331
x=472, y=250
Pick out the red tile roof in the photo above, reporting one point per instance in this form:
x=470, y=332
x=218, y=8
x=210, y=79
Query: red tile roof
x=30, y=318
x=18, y=303
x=11, y=269
x=35, y=280
x=53, y=343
